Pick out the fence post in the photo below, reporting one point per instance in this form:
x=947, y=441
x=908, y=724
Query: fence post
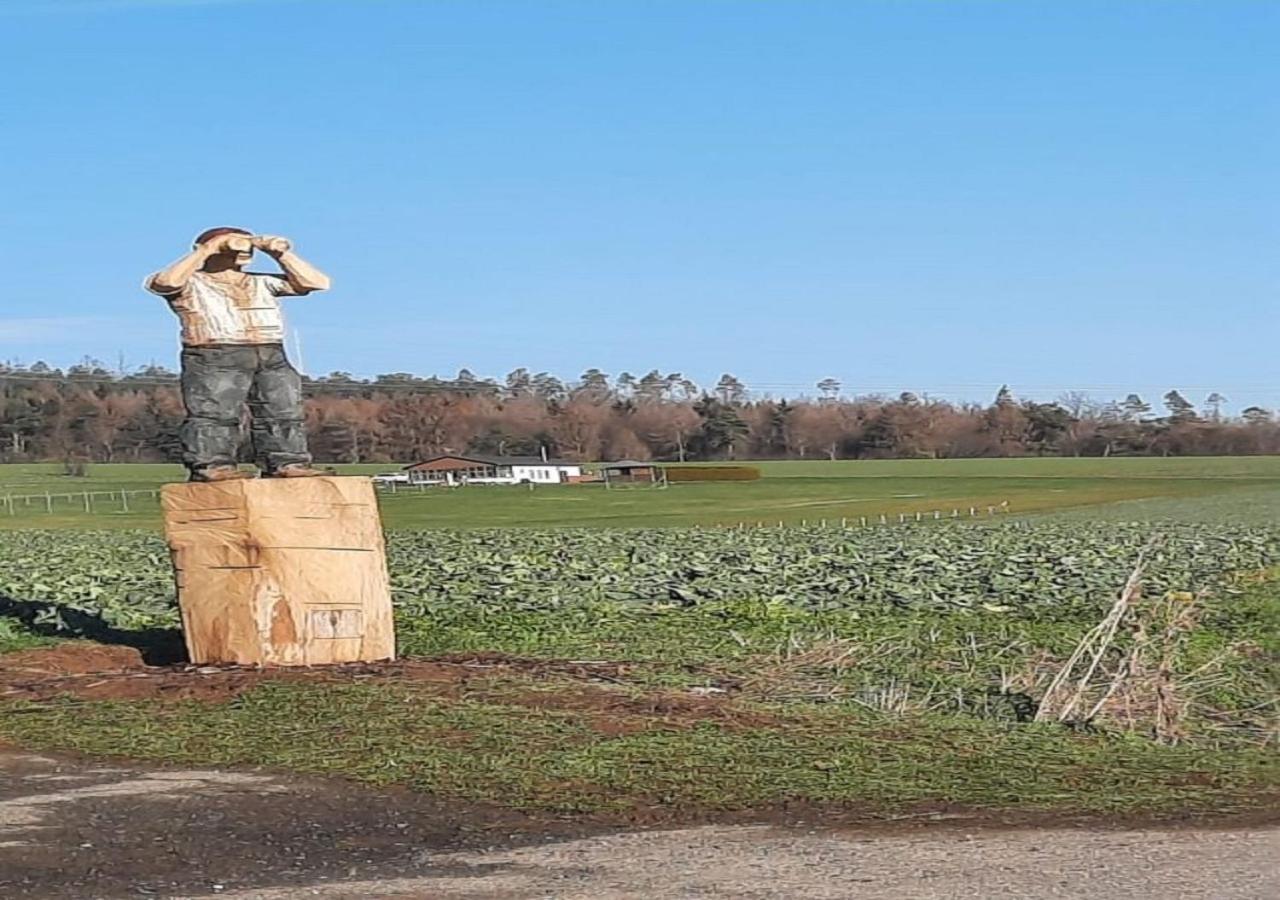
x=48, y=501
x=88, y=504
x=9, y=502
x=124, y=500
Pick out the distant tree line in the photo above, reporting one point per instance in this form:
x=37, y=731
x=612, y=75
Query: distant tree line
x=89, y=413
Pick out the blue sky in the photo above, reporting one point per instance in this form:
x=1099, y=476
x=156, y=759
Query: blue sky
x=905, y=194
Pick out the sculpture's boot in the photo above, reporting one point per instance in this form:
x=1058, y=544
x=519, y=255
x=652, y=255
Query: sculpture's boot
x=220, y=473
x=297, y=471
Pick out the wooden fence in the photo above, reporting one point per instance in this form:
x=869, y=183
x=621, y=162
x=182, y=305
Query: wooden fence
x=120, y=502
x=80, y=501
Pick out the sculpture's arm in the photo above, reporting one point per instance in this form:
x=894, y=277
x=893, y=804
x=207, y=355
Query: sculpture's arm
x=174, y=278
x=301, y=275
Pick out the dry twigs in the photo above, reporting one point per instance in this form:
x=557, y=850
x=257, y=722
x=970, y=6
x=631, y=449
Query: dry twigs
x=1093, y=645
x=1143, y=686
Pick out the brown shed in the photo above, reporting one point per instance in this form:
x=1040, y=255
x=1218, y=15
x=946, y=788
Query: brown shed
x=631, y=471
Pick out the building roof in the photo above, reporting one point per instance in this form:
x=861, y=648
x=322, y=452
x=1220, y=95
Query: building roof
x=496, y=460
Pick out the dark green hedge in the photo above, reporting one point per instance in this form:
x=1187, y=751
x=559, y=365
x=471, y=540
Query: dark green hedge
x=712, y=473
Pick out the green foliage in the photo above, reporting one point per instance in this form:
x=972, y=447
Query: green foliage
x=16, y=636
x=1028, y=569
x=1038, y=569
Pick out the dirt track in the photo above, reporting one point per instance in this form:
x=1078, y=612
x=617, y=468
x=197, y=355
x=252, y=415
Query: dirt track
x=73, y=829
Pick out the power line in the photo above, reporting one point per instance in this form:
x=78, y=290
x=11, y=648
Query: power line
x=307, y=385
x=851, y=387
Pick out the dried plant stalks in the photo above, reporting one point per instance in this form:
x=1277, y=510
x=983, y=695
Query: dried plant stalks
x=1177, y=614
x=1144, y=686
x=1094, y=645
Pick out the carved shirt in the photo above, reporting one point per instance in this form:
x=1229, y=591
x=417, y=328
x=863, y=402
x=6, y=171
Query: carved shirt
x=229, y=308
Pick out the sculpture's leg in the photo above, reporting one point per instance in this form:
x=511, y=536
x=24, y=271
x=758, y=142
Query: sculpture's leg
x=279, y=432
x=215, y=385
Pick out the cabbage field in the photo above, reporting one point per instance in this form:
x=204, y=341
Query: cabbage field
x=1040, y=569
x=710, y=667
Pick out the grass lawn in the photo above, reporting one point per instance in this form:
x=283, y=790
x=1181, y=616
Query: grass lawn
x=791, y=491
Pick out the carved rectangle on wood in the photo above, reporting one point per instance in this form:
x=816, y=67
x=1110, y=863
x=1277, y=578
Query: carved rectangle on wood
x=280, y=571
x=330, y=624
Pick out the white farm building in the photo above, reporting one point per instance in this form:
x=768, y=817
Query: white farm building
x=454, y=470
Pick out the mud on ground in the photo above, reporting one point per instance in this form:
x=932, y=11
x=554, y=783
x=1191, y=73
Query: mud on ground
x=79, y=828
x=593, y=689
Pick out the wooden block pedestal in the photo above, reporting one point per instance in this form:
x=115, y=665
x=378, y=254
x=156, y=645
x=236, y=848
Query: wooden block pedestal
x=280, y=572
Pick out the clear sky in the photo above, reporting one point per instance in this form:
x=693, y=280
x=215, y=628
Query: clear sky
x=903, y=194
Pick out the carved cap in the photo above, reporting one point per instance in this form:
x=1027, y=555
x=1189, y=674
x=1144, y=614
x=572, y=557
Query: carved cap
x=211, y=233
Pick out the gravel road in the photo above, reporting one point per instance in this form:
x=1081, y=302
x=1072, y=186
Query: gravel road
x=73, y=829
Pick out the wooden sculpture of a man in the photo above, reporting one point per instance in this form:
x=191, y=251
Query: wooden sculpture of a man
x=233, y=353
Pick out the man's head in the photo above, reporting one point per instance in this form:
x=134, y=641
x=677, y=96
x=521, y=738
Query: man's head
x=233, y=247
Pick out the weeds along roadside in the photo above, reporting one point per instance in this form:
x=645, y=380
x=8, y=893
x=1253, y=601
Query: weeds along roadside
x=1221, y=670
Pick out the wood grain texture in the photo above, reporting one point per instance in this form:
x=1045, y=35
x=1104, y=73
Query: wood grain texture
x=283, y=572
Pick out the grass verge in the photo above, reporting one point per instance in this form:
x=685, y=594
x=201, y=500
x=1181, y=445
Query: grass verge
x=561, y=760
x=730, y=708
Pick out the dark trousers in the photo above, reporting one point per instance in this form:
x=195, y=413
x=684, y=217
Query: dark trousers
x=217, y=382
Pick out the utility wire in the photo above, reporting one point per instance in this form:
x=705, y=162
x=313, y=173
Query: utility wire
x=851, y=387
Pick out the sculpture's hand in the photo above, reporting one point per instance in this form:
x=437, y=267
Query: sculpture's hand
x=272, y=244
x=302, y=276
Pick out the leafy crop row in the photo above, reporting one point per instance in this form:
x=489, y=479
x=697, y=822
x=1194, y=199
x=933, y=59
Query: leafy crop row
x=1040, y=569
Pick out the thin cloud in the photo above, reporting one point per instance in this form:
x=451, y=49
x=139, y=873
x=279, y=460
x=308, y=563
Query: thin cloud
x=18, y=331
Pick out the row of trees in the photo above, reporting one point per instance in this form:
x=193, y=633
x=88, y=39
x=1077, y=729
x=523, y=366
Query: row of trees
x=88, y=412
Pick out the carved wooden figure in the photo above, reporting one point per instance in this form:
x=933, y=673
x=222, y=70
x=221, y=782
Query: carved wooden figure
x=280, y=572
x=233, y=353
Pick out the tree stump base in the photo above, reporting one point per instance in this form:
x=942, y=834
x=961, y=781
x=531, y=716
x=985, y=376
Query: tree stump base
x=280, y=571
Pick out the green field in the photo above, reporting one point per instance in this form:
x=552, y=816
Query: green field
x=646, y=662
x=790, y=492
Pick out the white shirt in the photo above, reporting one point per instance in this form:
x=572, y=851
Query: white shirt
x=229, y=308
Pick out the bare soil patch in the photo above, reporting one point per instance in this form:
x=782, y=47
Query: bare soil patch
x=612, y=712
x=70, y=659
x=590, y=688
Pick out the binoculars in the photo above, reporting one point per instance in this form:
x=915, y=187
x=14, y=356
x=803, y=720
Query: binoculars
x=238, y=243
